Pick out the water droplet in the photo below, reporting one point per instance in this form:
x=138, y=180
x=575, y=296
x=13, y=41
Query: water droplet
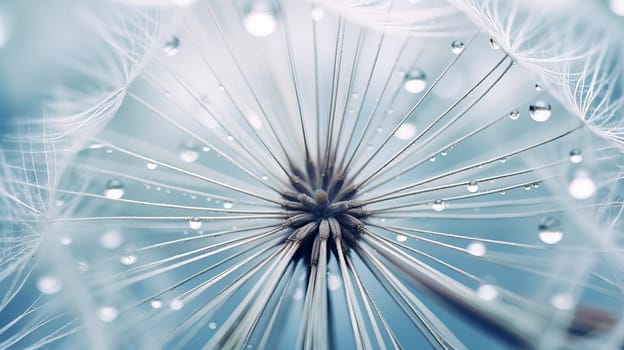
x=212, y=325
x=550, y=231
x=188, y=152
x=576, y=156
x=172, y=46
x=502, y=193
x=503, y=160
x=221, y=87
x=432, y=159
x=538, y=87
x=176, y=304
x=514, y=115
x=438, y=205
x=206, y=149
x=405, y=131
x=260, y=22
x=476, y=248
x=527, y=187
x=562, y=301
x=355, y=95
x=540, y=111
x=415, y=82
x=493, y=44
x=299, y=294
x=228, y=205
x=317, y=14
x=333, y=282
x=111, y=239
x=128, y=259
x=487, y=292
x=401, y=238
x=457, y=47
x=114, y=189
x=195, y=223
x=49, y=285
x=472, y=186
x=156, y=304
x=444, y=153
x=65, y=240
x=581, y=186
x=107, y=313
x=151, y=166
x=535, y=185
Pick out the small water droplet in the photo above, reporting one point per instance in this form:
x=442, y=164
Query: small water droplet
x=527, y=187
x=151, y=166
x=128, y=259
x=66, y=240
x=581, y=186
x=540, y=111
x=432, y=159
x=550, y=231
x=503, y=160
x=444, y=153
x=476, y=248
x=535, y=185
x=228, y=205
x=333, y=282
x=111, y=239
x=188, y=152
x=195, y=223
x=212, y=325
x=415, y=82
x=487, y=292
x=405, y=131
x=493, y=44
x=176, y=304
x=472, y=186
x=457, y=47
x=562, y=301
x=107, y=313
x=514, y=115
x=317, y=14
x=49, y=285
x=114, y=189
x=172, y=46
x=401, y=238
x=260, y=22
x=438, y=205
x=156, y=304
x=576, y=156
x=538, y=87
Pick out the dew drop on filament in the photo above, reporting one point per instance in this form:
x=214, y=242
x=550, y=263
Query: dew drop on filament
x=438, y=205
x=457, y=47
x=415, y=82
x=514, y=115
x=49, y=285
x=472, y=186
x=114, y=189
x=576, y=156
x=195, y=223
x=549, y=230
x=172, y=46
x=540, y=111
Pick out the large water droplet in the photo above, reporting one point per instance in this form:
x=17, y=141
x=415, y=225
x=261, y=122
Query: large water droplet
x=457, y=47
x=576, y=156
x=49, y=285
x=438, y=205
x=260, y=22
x=114, y=189
x=156, y=304
x=472, y=186
x=195, y=223
x=581, y=186
x=189, y=152
x=540, y=111
x=172, y=46
x=415, y=82
x=550, y=230
x=107, y=313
